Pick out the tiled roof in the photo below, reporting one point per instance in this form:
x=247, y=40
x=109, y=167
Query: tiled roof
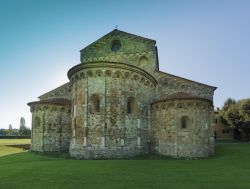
x=54, y=101
x=180, y=96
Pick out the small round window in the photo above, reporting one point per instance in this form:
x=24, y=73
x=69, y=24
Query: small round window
x=116, y=45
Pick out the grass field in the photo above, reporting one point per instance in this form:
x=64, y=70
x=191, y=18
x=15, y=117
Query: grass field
x=229, y=169
x=5, y=144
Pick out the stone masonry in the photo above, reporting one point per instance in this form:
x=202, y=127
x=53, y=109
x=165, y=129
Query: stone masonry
x=118, y=104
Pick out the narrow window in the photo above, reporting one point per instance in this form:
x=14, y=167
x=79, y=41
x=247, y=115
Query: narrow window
x=184, y=123
x=131, y=105
x=95, y=104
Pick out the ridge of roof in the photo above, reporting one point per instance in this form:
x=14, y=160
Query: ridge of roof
x=119, y=31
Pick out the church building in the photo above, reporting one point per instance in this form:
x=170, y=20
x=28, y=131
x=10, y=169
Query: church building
x=118, y=104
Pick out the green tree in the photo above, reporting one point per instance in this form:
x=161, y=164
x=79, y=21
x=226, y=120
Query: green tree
x=23, y=130
x=228, y=103
x=22, y=127
x=233, y=116
x=245, y=108
x=236, y=115
x=245, y=112
x=3, y=132
x=10, y=130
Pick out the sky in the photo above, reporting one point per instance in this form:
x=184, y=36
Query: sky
x=202, y=40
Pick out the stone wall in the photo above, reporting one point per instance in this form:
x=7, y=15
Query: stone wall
x=51, y=127
x=170, y=139
x=112, y=132
x=130, y=49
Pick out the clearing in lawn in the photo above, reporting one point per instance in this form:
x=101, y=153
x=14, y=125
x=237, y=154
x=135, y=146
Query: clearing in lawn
x=229, y=168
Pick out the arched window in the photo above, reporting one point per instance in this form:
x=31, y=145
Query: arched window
x=184, y=122
x=95, y=104
x=131, y=105
x=116, y=45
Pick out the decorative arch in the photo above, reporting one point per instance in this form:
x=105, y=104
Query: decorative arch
x=143, y=60
x=98, y=73
x=90, y=73
x=108, y=73
x=118, y=74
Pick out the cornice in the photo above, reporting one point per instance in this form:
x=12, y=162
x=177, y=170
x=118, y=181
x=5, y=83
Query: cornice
x=104, y=64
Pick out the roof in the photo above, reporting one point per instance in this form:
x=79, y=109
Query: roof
x=64, y=86
x=188, y=80
x=180, y=96
x=52, y=101
x=116, y=31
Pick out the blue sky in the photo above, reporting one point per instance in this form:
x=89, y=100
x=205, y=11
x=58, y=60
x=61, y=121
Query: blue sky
x=206, y=41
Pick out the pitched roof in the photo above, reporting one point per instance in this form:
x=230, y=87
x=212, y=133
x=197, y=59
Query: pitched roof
x=180, y=96
x=65, y=86
x=188, y=80
x=116, y=31
x=54, y=101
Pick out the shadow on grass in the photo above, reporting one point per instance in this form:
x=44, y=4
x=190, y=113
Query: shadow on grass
x=22, y=146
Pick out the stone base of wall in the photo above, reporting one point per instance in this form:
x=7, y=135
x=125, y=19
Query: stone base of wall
x=106, y=153
x=183, y=150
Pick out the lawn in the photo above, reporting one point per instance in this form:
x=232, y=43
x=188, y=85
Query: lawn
x=6, y=146
x=229, y=168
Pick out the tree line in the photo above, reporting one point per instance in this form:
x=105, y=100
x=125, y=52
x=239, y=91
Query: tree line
x=22, y=131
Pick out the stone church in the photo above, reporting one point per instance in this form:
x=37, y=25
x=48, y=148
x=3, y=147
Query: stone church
x=118, y=104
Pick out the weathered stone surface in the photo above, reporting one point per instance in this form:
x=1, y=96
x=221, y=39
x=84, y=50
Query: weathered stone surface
x=118, y=104
x=169, y=138
x=51, y=127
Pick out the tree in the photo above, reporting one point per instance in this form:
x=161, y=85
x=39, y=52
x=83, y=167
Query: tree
x=10, y=130
x=228, y=103
x=245, y=108
x=22, y=127
x=233, y=116
x=23, y=130
x=236, y=115
x=3, y=132
x=245, y=112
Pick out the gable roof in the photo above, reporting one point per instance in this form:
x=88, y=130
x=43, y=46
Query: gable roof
x=116, y=31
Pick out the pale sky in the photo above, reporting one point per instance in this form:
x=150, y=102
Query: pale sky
x=206, y=41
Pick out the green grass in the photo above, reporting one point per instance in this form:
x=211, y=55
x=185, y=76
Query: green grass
x=229, y=169
x=5, y=144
